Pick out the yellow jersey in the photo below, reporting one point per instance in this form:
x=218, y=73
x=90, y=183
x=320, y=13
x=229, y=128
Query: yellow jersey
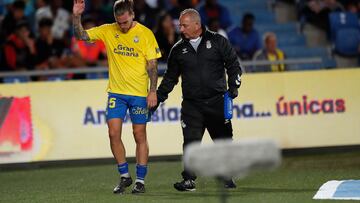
x=274, y=57
x=127, y=54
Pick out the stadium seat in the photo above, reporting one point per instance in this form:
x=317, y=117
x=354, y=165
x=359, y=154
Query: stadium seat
x=329, y=63
x=277, y=28
x=245, y=4
x=305, y=66
x=288, y=39
x=16, y=79
x=340, y=20
x=262, y=16
x=56, y=77
x=347, y=41
x=303, y=52
x=94, y=76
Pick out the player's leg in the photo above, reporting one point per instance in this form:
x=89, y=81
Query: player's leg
x=116, y=111
x=142, y=155
x=116, y=144
x=193, y=131
x=219, y=127
x=139, y=117
x=215, y=122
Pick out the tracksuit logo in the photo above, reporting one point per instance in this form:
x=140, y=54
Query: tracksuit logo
x=183, y=125
x=238, y=80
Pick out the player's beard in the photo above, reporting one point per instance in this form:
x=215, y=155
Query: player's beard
x=125, y=30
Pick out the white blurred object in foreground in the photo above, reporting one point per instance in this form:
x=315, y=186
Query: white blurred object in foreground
x=228, y=159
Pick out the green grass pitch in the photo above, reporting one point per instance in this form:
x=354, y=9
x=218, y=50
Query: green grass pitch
x=297, y=180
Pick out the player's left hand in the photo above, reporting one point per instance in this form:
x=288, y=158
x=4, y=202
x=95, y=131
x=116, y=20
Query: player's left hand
x=151, y=100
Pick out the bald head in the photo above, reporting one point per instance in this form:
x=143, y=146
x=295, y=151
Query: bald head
x=190, y=23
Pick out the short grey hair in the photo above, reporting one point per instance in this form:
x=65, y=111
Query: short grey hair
x=194, y=14
x=267, y=35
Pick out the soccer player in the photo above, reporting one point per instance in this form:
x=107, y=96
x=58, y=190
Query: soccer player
x=132, y=53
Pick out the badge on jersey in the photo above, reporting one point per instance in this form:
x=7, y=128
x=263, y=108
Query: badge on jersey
x=208, y=44
x=136, y=39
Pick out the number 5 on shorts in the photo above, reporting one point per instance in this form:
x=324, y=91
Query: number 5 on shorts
x=112, y=102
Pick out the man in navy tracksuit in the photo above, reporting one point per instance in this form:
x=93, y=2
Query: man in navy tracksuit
x=201, y=58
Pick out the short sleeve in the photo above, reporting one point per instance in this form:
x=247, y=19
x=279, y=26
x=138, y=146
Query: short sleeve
x=152, y=48
x=96, y=33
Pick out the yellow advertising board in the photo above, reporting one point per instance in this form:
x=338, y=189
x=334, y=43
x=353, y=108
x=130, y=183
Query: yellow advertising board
x=299, y=109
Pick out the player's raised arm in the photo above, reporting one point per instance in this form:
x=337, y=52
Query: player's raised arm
x=153, y=75
x=78, y=9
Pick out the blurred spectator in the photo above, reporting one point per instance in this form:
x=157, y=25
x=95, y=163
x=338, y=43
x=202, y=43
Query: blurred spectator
x=100, y=11
x=89, y=54
x=145, y=14
x=178, y=6
x=5, y=6
x=29, y=7
x=165, y=35
x=352, y=7
x=270, y=53
x=49, y=50
x=30, y=11
x=68, y=5
x=19, y=49
x=245, y=39
x=40, y=4
x=214, y=25
x=60, y=16
x=152, y=3
x=3, y=9
x=212, y=9
x=317, y=12
x=14, y=15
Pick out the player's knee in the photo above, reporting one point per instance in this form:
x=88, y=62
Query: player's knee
x=139, y=135
x=114, y=134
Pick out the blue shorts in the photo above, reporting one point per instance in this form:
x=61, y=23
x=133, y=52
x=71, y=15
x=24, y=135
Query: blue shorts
x=118, y=104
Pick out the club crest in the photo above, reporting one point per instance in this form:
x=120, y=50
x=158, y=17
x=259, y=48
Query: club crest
x=208, y=44
x=136, y=39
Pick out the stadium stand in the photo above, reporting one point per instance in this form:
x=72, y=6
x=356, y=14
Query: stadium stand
x=93, y=76
x=347, y=41
x=290, y=39
x=345, y=33
x=16, y=79
x=290, y=35
x=342, y=20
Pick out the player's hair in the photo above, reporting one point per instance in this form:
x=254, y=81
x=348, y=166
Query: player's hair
x=194, y=14
x=122, y=6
